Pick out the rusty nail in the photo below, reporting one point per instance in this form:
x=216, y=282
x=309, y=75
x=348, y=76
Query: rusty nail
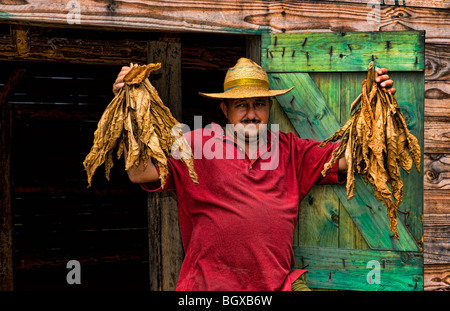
x=293, y=53
x=304, y=42
x=283, y=51
x=343, y=262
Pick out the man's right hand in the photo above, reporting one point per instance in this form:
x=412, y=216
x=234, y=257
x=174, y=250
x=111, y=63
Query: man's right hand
x=118, y=84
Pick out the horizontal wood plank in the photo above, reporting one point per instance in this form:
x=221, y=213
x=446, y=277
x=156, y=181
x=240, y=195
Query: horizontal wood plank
x=437, y=238
x=437, y=98
x=350, y=51
x=348, y=269
x=437, y=277
x=443, y=4
x=437, y=171
x=229, y=16
x=437, y=61
x=436, y=201
x=76, y=50
x=436, y=226
x=437, y=135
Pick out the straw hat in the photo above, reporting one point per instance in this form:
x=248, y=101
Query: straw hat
x=245, y=80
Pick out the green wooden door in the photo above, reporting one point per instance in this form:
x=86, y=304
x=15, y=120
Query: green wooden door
x=348, y=244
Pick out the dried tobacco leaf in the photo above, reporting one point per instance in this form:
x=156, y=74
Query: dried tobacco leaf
x=137, y=119
x=376, y=143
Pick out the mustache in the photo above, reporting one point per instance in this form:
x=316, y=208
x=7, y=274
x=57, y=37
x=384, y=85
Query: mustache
x=248, y=121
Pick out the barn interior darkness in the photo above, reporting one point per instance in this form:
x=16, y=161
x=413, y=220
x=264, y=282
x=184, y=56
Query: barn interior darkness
x=56, y=217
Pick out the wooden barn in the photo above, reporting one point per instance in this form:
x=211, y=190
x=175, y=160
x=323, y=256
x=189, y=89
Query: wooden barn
x=58, y=62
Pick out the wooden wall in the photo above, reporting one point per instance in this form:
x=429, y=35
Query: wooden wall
x=256, y=17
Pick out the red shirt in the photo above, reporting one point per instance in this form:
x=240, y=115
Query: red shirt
x=237, y=224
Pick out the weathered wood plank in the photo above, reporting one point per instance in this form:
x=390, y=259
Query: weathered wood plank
x=437, y=277
x=42, y=47
x=166, y=248
x=437, y=171
x=88, y=47
x=437, y=238
x=437, y=61
x=339, y=268
x=443, y=4
x=319, y=218
x=436, y=201
x=6, y=234
x=350, y=51
x=229, y=16
x=437, y=135
x=437, y=98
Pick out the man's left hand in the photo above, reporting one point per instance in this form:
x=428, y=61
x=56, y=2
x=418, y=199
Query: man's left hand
x=384, y=81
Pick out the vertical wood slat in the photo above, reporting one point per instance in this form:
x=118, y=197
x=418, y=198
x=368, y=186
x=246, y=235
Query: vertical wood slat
x=165, y=246
x=6, y=246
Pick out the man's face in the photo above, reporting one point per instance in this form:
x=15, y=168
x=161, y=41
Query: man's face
x=248, y=114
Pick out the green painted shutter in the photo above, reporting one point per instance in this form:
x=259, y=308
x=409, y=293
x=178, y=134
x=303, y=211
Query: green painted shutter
x=348, y=244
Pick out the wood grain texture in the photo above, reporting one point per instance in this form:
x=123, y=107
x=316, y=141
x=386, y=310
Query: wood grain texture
x=437, y=277
x=167, y=257
x=6, y=225
x=405, y=3
x=437, y=171
x=339, y=268
x=350, y=51
x=437, y=61
x=437, y=98
x=437, y=135
x=229, y=16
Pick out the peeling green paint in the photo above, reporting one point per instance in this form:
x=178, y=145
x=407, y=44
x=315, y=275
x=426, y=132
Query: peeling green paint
x=261, y=29
x=5, y=15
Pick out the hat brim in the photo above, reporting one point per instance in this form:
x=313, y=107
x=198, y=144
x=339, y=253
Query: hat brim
x=245, y=92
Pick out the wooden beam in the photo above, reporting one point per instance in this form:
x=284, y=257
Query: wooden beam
x=41, y=47
x=21, y=38
x=441, y=4
x=46, y=44
x=6, y=251
x=166, y=252
x=230, y=16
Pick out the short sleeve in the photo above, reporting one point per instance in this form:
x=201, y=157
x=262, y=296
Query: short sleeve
x=310, y=162
x=156, y=186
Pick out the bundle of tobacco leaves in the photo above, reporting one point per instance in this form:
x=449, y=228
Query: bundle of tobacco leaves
x=376, y=143
x=137, y=119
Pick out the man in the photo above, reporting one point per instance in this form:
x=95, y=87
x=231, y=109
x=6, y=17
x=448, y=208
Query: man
x=237, y=223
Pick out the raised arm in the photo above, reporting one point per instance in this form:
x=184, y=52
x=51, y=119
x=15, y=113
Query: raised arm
x=384, y=81
x=136, y=174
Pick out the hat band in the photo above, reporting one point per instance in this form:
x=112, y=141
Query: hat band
x=245, y=82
